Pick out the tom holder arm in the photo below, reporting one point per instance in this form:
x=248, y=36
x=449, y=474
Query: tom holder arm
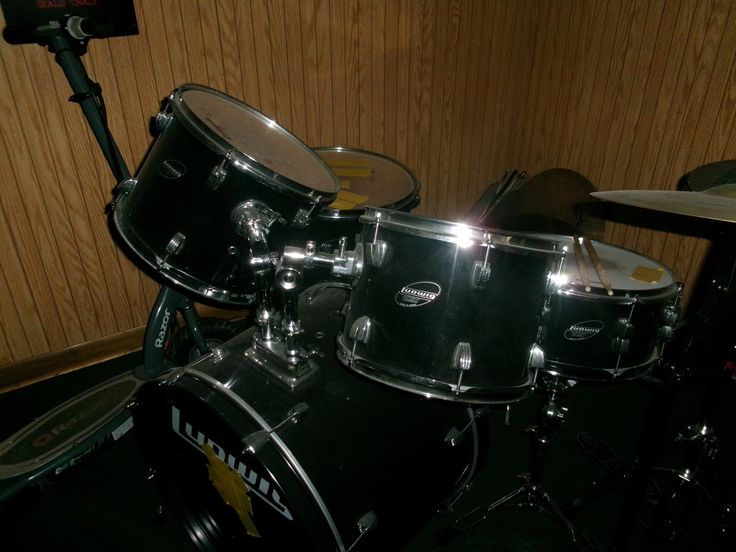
x=252, y=220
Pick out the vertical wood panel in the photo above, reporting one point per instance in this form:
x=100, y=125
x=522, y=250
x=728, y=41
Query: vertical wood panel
x=632, y=94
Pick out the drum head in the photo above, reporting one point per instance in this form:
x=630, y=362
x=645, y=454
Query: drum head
x=367, y=179
x=232, y=124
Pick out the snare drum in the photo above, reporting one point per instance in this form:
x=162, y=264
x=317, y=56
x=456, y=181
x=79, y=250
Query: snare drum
x=446, y=310
x=591, y=335
x=252, y=464
x=215, y=157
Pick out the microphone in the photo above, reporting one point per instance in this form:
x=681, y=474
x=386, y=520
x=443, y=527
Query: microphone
x=83, y=27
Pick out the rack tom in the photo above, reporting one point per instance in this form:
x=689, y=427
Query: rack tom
x=447, y=310
x=215, y=159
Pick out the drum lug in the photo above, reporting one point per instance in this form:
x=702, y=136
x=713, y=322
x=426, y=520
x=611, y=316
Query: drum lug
x=176, y=244
x=623, y=331
x=218, y=174
x=255, y=441
x=377, y=253
x=303, y=217
x=164, y=117
x=367, y=522
x=162, y=120
x=481, y=275
x=122, y=189
x=536, y=357
x=462, y=360
x=454, y=437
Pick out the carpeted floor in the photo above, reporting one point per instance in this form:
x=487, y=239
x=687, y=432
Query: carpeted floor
x=106, y=503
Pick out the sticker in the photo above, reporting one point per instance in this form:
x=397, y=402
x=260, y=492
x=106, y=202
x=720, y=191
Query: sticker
x=348, y=200
x=232, y=489
x=581, y=331
x=417, y=294
x=647, y=274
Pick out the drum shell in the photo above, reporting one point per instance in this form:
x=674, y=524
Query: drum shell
x=173, y=193
x=364, y=447
x=413, y=348
x=392, y=186
x=584, y=329
x=594, y=320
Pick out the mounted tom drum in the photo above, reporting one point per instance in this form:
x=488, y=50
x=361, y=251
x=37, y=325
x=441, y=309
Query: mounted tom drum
x=447, y=310
x=217, y=167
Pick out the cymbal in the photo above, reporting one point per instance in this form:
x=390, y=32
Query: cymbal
x=717, y=203
x=547, y=202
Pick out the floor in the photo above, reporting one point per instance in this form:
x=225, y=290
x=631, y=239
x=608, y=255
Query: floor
x=106, y=503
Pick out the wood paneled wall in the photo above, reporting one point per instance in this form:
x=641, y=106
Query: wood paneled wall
x=632, y=94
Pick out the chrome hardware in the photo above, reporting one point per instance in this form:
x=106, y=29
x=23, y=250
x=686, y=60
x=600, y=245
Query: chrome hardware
x=164, y=117
x=253, y=218
x=462, y=360
x=217, y=175
x=218, y=354
x=454, y=437
x=162, y=120
x=377, y=253
x=536, y=357
x=122, y=189
x=481, y=273
x=360, y=331
x=302, y=217
x=365, y=523
x=348, y=264
x=255, y=441
x=176, y=244
x=622, y=331
x=127, y=185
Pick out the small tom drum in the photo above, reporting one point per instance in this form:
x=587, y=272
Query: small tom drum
x=594, y=335
x=216, y=159
x=446, y=310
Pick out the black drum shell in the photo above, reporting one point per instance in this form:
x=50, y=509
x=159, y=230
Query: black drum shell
x=364, y=446
x=412, y=348
x=173, y=193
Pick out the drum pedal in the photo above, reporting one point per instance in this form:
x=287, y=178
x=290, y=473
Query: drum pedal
x=597, y=449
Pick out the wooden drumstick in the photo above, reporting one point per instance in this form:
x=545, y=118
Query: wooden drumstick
x=596, y=260
x=580, y=259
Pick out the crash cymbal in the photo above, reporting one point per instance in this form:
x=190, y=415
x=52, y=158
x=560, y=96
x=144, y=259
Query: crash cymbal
x=550, y=201
x=717, y=203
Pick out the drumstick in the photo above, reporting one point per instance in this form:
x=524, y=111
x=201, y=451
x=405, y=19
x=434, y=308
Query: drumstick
x=580, y=259
x=596, y=260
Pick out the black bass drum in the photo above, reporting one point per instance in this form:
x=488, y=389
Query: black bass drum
x=216, y=159
x=335, y=463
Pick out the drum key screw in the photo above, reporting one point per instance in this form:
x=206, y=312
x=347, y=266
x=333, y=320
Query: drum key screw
x=258, y=439
x=176, y=244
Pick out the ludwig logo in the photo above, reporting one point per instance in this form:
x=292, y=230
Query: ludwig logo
x=417, y=294
x=584, y=330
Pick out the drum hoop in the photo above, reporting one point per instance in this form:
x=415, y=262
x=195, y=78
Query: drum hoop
x=241, y=160
x=640, y=296
x=436, y=229
x=179, y=278
x=274, y=438
x=353, y=214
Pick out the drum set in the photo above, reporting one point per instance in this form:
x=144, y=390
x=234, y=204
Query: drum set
x=352, y=409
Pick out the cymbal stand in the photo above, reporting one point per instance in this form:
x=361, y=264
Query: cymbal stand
x=531, y=494
x=708, y=348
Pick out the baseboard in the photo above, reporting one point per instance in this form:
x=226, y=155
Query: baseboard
x=55, y=363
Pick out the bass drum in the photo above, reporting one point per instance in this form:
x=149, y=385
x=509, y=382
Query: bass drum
x=216, y=160
x=335, y=463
